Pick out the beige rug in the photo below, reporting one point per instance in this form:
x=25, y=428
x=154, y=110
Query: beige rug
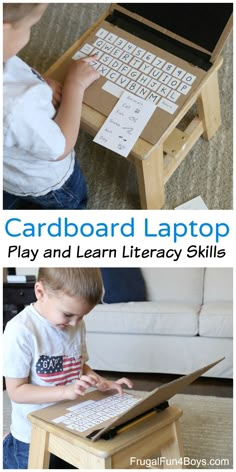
x=206, y=427
x=207, y=431
x=112, y=183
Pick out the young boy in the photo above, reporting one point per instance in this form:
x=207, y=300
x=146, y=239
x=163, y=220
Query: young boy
x=45, y=355
x=41, y=122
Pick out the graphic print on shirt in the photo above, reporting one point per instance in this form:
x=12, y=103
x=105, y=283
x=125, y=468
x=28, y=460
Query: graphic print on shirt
x=58, y=369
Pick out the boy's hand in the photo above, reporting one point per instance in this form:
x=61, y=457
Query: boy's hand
x=79, y=387
x=79, y=76
x=56, y=91
x=104, y=384
x=81, y=73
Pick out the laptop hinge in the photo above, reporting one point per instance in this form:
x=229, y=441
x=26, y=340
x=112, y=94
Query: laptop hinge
x=157, y=38
x=111, y=433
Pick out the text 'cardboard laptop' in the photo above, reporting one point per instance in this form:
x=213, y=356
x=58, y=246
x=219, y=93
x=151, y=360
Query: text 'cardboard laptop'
x=159, y=52
x=67, y=415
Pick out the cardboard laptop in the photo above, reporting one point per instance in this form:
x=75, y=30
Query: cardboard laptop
x=177, y=43
x=153, y=400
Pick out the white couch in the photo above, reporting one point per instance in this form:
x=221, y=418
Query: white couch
x=185, y=324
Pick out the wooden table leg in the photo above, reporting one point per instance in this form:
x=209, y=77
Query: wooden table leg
x=151, y=180
x=208, y=105
x=38, y=453
x=173, y=452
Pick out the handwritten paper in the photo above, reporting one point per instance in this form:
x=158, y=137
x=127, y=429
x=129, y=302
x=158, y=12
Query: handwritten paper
x=125, y=123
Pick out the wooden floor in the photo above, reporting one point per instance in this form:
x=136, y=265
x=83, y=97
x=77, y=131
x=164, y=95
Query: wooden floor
x=203, y=386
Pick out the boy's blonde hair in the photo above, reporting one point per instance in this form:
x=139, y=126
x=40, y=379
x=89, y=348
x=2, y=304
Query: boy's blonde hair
x=13, y=12
x=85, y=283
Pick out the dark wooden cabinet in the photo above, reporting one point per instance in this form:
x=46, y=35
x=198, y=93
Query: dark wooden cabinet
x=15, y=297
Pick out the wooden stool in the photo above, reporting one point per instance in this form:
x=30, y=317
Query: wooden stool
x=155, y=164
x=159, y=433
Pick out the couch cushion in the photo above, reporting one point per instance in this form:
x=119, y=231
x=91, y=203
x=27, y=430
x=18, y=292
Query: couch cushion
x=123, y=285
x=175, y=285
x=216, y=320
x=218, y=285
x=145, y=318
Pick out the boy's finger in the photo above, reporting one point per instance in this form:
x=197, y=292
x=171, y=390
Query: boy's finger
x=88, y=58
x=125, y=381
x=102, y=385
x=93, y=378
x=118, y=388
x=79, y=391
x=82, y=384
x=90, y=379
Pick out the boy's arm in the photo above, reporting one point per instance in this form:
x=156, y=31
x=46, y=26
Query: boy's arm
x=80, y=75
x=56, y=88
x=20, y=391
x=104, y=384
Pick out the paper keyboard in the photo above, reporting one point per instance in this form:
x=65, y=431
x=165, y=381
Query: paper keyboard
x=132, y=68
x=88, y=414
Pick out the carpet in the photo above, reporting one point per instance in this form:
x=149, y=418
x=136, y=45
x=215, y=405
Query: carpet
x=207, y=431
x=206, y=426
x=112, y=183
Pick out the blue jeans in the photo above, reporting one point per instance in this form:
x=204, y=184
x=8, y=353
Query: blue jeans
x=71, y=196
x=16, y=454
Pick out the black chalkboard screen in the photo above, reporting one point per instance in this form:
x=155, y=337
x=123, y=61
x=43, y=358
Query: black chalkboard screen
x=200, y=23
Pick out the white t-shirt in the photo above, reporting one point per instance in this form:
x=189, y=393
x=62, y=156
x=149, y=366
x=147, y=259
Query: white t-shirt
x=33, y=348
x=32, y=141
